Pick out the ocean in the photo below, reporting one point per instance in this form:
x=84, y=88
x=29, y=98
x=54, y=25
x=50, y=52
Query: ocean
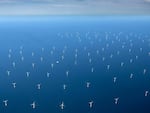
x=75, y=64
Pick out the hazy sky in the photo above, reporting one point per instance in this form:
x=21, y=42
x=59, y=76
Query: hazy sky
x=74, y=7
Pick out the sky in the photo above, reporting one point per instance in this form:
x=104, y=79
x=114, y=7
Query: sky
x=74, y=7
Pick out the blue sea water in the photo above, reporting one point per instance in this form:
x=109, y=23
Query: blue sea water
x=85, y=43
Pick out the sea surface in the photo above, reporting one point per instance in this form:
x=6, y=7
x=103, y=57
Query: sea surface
x=74, y=60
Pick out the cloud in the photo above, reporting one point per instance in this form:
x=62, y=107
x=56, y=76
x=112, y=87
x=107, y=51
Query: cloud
x=74, y=7
x=147, y=1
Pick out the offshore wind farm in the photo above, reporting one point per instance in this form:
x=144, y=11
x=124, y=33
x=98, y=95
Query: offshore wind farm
x=68, y=56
